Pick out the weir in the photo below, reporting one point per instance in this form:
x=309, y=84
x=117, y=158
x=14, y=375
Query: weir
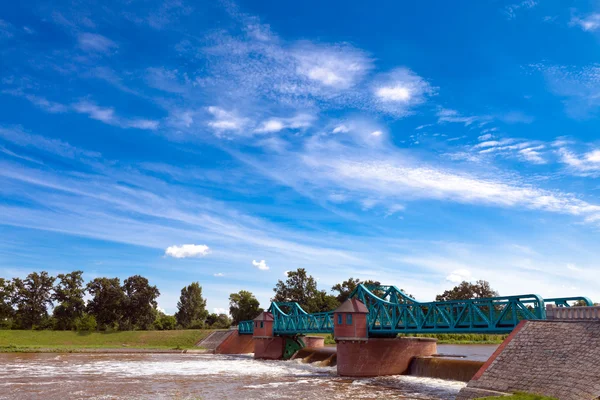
x=365, y=327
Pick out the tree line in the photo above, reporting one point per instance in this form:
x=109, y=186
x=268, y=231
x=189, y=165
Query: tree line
x=111, y=305
x=132, y=305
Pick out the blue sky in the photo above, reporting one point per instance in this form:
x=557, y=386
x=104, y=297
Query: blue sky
x=415, y=143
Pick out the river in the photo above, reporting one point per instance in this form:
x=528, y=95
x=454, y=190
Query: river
x=194, y=376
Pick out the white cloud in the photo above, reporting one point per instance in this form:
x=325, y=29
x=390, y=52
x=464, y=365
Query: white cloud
x=533, y=155
x=583, y=163
x=398, y=91
x=225, y=120
x=393, y=93
x=219, y=310
x=340, y=129
x=590, y=23
x=485, y=137
x=452, y=116
x=93, y=42
x=396, y=177
x=376, y=133
x=579, y=86
x=300, y=121
x=108, y=116
x=338, y=67
x=459, y=275
x=187, y=251
x=262, y=265
x=219, y=274
x=512, y=9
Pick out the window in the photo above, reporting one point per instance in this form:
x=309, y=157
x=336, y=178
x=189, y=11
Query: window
x=349, y=319
x=261, y=324
x=256, y=324
x=339, y=319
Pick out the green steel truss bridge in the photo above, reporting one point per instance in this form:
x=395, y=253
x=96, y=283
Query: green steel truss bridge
x=392, y=312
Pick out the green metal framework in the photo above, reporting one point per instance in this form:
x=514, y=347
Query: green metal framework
x=392, y=311
x=246, y=327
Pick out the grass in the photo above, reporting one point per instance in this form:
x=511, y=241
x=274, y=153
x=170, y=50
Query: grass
x=18, y=340
x=519, y=396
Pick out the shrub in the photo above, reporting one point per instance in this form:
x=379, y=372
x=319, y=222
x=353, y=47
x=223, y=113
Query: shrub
x=86, y=323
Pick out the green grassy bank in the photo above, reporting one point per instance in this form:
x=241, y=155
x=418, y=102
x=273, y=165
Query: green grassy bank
x=16, y=340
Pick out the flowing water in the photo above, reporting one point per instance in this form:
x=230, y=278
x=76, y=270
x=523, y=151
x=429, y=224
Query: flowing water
x=193, y=376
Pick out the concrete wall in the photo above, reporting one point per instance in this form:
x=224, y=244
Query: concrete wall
x=377, y=357
x=554, y=358
x=269, y=348
x=236, y=344
x=573, y=313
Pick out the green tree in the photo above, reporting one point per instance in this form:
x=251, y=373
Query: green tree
x=466, y=290
x=85, y=323
x=322, y=301
x=107, y=302
x=191, y=307
x=32, y=297
x=7, y=312
x=243, y=306
x=139, y=308
x=298, y=287
x=301, y=288
x=164, y=322
x=346, y=288
x=218, y=321
x=69, y=293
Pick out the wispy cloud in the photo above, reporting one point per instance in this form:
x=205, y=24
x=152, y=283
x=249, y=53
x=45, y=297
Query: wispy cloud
x=108, y=116
x=226, y=121
x=590, y=22
x=585, y=164
x=579, y=86
x=93, y=42
x=300, y=121
x=512, y=9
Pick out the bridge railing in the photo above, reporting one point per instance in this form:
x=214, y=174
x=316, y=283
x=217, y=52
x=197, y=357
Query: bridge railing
x=246, y=327
x=485, y=315
x=296, y=320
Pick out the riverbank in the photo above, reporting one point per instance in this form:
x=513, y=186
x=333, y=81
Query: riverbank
x=129, y=341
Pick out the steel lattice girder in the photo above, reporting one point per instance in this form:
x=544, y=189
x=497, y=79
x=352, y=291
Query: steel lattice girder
x=391, y=311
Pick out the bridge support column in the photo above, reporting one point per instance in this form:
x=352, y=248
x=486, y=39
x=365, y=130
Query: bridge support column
x=266, y=345
x=361, y=355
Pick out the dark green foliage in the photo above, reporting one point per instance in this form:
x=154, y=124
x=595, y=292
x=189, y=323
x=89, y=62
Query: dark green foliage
x=164, y=322
x=32, y=296
x=466, y=290
x=346, y=288
x=218, y=321
x=243, y=306
x=7, y=312
x=107, y=303
x=191, y=307
x=69, y=293
x=302, y=289
x=139, y=307
x=85, y=323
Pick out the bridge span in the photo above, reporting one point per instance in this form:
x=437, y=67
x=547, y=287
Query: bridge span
x=392, y=312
